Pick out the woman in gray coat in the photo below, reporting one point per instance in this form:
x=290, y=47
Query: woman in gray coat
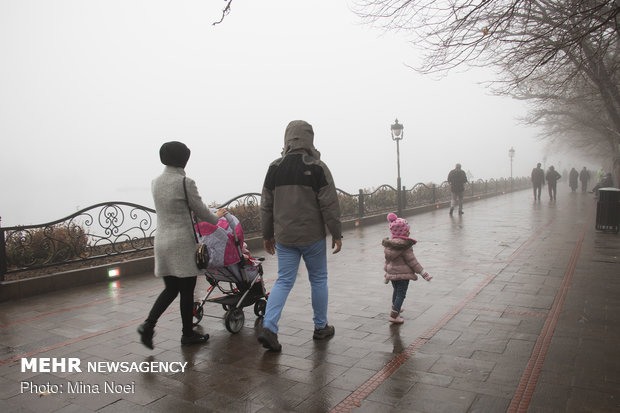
x=175, y=245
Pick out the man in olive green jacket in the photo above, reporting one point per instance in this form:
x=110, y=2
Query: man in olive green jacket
x=299, y=200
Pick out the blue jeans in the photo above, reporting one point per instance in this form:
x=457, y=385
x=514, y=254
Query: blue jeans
x=315, y=258
x=399, y=294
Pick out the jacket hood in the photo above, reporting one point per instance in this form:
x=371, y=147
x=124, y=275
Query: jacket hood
x=299, y=137
x=398, y=243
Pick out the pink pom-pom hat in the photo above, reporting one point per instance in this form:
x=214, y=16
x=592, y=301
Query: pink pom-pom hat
x=399, y=227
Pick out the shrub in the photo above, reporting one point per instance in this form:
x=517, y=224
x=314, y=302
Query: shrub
x=349, y=204
x=46, y=245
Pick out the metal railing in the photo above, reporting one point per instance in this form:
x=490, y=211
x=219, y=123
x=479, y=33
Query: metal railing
x=385, y=198
x=101, y=230
x=118, y=228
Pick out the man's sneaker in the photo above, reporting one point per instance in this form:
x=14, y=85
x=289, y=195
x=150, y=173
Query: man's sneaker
x=461, y=212
x=194, y=338
x=269, y=340
x=325, y=332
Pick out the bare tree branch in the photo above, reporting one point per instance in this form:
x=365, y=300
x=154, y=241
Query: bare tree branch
x=224, y=12
x=562, y=56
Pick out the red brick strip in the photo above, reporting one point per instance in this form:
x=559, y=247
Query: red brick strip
x=523, y=396
x=529, y=241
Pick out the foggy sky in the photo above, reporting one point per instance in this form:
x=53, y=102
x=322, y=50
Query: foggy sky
x=90, y=90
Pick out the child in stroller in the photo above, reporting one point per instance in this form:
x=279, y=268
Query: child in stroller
x=232, y=271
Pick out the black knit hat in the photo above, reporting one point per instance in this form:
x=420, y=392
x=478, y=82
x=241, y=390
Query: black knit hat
x=174, y=154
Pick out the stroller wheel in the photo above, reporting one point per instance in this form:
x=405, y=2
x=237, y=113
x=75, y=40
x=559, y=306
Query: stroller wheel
x=259, y=307
x=198, y=312
x=234, y=320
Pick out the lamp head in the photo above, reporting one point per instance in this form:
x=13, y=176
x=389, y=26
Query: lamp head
x=397, y=130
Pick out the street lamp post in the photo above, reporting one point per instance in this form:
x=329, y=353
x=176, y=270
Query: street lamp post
x=397, y=135
x=511, y=154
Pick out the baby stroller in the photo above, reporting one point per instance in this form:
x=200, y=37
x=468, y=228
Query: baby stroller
x=232, y=272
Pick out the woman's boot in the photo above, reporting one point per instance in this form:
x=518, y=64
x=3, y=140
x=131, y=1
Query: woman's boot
x=146, y=331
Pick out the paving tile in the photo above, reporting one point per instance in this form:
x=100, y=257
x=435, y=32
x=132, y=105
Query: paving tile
x=471, y=369
x=121, y=406
x=427, y=398
x=551, y=397
x=391, y=391
x=217, y=402
x=322, y=400
x=170, y=403
x=369, y=406
x=489, y=404
x=36, y=403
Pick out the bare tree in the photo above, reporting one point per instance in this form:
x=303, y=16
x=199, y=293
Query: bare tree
x=578, y=120
x=561, y=55
x=483, y=32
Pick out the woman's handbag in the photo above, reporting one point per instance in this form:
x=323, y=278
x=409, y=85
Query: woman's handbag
x=202, y=256
x=202, y=253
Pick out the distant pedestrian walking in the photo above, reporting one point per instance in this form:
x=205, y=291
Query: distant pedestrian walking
x=457, y=179
x=538, y=180
x=401, y=265
x=299, y=201
x=573, y=179
x=584, y=177
x=552, y=177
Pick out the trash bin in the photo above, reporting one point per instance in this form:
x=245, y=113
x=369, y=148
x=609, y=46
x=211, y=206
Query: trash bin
x=608, y=209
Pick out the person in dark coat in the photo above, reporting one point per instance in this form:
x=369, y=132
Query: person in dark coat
x=299, y=201
x=552, y=178
x=457, y=179
x=584, y=177
x=174, y=196
x=573, y=179
x=538, y=180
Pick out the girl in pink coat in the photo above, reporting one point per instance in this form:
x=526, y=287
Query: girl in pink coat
x=401, y=264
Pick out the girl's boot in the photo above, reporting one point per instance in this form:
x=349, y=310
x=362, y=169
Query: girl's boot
x=395, y=318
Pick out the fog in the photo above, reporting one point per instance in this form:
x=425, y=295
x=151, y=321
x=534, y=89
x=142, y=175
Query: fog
x=90, y=90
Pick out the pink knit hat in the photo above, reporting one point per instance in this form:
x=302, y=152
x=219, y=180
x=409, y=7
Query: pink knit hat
x=399, y=227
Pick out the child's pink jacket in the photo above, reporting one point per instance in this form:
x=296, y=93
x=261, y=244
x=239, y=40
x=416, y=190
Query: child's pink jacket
x=400, y=261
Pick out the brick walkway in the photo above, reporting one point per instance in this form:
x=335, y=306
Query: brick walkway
x=523, y=315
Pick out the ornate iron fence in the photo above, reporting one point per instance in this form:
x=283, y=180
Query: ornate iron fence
x=420, y=194
x=117, y=228
x=350, y=204
x=105, y=229
x=246, y=208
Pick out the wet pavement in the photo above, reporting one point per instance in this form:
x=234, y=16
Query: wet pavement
x=523, y=314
